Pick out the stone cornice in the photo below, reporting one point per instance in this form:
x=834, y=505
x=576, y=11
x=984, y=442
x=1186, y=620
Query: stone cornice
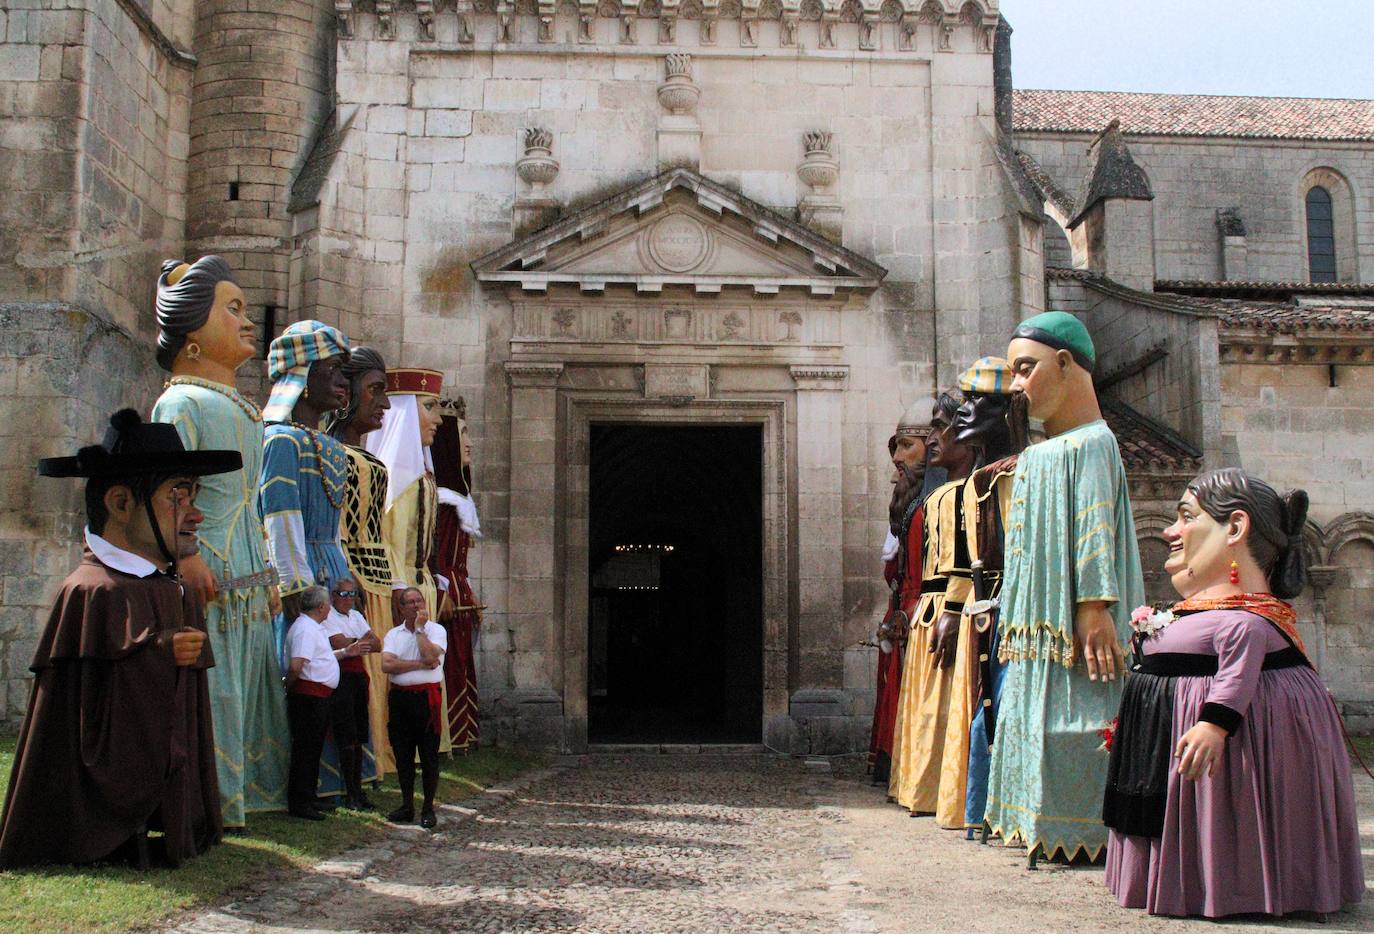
x=529, y=373
x=813, y=378
x=654, y=22
x=832, y=268
x=1240, y=346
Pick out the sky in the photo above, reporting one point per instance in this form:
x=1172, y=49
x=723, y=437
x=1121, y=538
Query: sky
x=1274, y=48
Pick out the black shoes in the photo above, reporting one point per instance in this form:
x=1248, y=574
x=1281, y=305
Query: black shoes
x=427, y=819
x=327, y=803
x=402, y=815
x=359, y=802
x=306, y=812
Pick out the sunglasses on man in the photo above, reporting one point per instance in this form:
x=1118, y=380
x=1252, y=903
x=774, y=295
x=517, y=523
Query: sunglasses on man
x=345, y=593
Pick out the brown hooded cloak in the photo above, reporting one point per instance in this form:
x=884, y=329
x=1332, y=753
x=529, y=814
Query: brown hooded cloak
x=118, y=738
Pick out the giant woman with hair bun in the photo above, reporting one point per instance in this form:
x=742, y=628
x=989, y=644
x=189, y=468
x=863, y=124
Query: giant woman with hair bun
x=1228, y=789
x=204, y=336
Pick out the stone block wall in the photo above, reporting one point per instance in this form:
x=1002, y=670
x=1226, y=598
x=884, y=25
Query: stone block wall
x=1192, y=178
x=424, y=182
x=262, y=87
x=93, y=153
x=61, y=370
x=94, y=102
x=1288, y=424
x=1182, y=389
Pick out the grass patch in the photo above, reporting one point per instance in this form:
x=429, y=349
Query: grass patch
x=1364, y=745
x=108, y=898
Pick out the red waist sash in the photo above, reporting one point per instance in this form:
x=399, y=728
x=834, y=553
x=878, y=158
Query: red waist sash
x=434, y=697
x=309, y=688
x=354, y=663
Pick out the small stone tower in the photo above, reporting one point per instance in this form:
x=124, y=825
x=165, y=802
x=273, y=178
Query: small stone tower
x=262, y=87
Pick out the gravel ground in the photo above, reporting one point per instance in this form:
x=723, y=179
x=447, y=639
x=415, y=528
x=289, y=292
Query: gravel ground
x=700, y=843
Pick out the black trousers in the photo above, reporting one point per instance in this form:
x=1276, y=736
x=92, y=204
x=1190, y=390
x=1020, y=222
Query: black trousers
x=407, y=726
x=348, y=709
x=308, y=718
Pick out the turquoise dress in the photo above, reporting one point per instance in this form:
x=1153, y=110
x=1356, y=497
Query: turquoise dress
x=252, y=741
x=1070, y=539
x=304, y=482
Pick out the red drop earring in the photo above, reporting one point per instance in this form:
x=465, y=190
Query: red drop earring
x=1235, y=573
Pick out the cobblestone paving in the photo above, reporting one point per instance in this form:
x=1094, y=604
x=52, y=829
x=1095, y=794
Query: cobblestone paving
x=694, y=843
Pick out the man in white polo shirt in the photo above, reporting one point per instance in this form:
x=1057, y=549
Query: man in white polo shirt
x=312, y=674
x=413, y=659
x=345, y=628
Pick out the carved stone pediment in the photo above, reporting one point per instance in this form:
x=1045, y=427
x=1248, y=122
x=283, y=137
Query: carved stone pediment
x=679, y=230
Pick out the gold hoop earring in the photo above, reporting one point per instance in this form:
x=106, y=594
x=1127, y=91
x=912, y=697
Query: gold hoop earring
x=192, y=351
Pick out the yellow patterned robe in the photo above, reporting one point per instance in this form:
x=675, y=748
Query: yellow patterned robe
x=927, y=690
x=369, y=559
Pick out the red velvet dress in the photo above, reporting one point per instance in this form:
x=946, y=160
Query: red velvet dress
x=460, y=669
x=890, y=663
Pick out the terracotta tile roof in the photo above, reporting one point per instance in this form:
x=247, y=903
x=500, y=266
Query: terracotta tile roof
x=1265, y=291
x=1194, y=115
x=1306, y=310
x=1147, y=445
x=1289, y=317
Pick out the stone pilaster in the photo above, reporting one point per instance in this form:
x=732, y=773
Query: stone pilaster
x=818, y=702
x=534, y=598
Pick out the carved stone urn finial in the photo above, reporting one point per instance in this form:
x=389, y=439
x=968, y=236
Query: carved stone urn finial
x=819, y=168
x=678, y=94
x=538, y=167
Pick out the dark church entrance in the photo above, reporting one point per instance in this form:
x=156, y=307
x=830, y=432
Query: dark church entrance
x=675, y=634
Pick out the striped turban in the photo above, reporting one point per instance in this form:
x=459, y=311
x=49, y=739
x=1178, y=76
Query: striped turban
x=288, y=363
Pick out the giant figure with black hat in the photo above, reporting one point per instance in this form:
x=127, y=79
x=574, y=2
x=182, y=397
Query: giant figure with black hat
x=1072, y=576
x=118, y=738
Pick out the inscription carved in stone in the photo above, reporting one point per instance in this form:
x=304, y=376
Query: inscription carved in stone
x=679, y=243
x=676, y=382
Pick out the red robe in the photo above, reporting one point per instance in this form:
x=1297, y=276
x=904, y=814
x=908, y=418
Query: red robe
x=460, y=668
x=117, y=738
x=890, y=663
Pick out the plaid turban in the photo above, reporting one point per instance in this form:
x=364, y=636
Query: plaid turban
x=289, y=359
x=989, y=375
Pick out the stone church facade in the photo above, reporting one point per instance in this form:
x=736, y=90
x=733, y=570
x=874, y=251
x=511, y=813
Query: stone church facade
x=793, y=217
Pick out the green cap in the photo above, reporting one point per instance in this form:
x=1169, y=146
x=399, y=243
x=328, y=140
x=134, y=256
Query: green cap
x=1062, y=331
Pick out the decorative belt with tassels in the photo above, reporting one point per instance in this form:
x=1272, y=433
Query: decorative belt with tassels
x=262, y=578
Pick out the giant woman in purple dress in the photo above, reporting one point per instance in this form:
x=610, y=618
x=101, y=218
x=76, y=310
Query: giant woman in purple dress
x=1228, y=788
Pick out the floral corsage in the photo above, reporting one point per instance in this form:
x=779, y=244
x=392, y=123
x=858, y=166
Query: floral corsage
x=1108, y=734
x=1149, y=620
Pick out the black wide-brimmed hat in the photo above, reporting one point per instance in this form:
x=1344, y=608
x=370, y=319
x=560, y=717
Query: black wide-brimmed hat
x=135, y=448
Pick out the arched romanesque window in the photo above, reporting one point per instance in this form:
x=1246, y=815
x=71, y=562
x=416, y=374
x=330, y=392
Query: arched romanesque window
x=1325, y=211
x=1321, y=236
